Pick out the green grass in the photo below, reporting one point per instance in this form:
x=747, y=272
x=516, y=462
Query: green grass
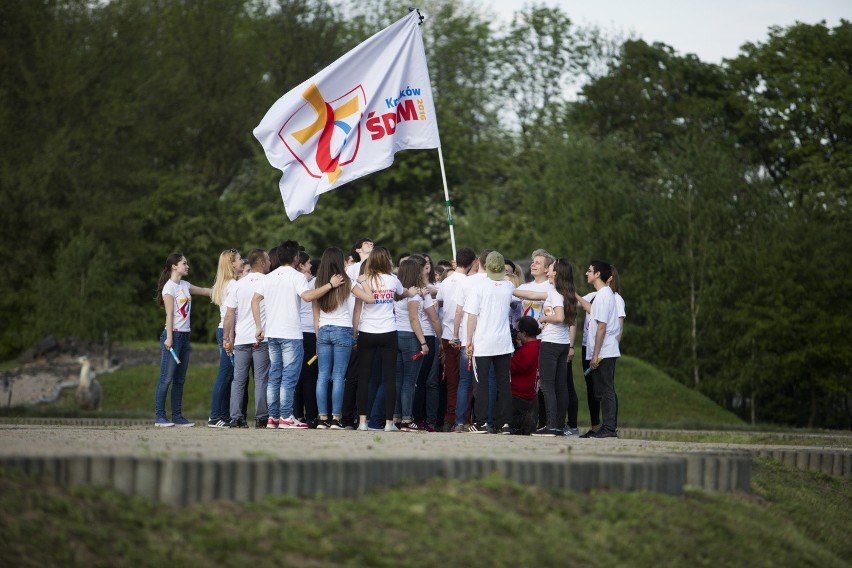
x=129, y=393
x=649, y=398
x=793, y=518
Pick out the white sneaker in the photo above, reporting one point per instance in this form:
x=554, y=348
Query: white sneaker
x=291, y=422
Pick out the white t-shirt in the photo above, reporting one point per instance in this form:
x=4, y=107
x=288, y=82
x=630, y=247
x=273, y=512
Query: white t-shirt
x=587, y=323
x=239, y=297
x=466, y=289
x=379, y=317
x=400, y=310
x=447, y=295
x=182, y=303
x=604, y=309
x=490, y=301
x=342, y=316
x=223, y=309
x=306, y=311
x=425, y=324
x=354, y=271
x=619, y=305
x=555, y=332
x=281, y=290
x=534, y=308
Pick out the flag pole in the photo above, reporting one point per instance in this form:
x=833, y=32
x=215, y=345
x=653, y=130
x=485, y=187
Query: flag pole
x=447, y=201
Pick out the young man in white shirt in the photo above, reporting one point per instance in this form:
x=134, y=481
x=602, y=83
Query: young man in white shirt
x=280, y=295
x=540, y=261
x=464, y=291
x=238, y=334
x=603, y=345
x=489, y=341
x=465, y=261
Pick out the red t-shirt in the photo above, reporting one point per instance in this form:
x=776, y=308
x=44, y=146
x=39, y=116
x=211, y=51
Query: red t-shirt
x=524, y=369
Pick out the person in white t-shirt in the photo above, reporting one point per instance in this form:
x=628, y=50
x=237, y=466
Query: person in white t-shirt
x=411, y=343
x=489, y=342
x=376, y=332
x=238, y=333
x=175, y=295
x=586, y=303
x=332, y=316
x=603, y=344
x=540, y=261
x=465, y=262
x=466, y=384
x=557, y=349
x=230, y=264
x=359, y=253
x=281, y=293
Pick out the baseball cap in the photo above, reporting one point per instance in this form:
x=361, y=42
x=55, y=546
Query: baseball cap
x=495, y=266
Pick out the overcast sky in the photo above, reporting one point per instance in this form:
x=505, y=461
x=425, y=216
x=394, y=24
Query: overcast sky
x=710, y=29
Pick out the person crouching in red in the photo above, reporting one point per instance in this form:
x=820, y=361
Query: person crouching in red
x=524, y=370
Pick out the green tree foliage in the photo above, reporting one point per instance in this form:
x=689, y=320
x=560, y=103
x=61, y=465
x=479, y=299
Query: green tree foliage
x=719, y=191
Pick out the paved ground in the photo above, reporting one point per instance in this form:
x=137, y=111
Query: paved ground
x=202, y=442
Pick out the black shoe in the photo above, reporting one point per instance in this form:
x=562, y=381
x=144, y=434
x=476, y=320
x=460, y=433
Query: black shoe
x=603, y=433
x=505, y=429
x=547, y=432
x=323, y=424
x=587, y=434
x=238, y=423
x=260, y=422
x=335, y=425
x=474, y=429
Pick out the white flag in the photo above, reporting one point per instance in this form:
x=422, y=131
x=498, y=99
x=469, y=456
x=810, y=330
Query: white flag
x=352, y=117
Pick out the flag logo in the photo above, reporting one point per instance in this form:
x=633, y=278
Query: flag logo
x=352, y=117
x=324, y=136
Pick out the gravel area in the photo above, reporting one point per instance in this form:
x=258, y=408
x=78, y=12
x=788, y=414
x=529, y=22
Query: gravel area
x=202, y=442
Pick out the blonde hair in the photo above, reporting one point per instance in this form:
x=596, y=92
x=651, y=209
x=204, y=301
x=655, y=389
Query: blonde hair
x=224, y=274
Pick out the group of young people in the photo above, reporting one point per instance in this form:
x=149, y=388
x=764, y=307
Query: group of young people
x=349, y=342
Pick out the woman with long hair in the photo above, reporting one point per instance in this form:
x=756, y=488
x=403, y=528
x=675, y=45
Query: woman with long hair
x=411, y=341
x=376, y=332
x=175, y=295
x=230, y=266
x=557, y=349
x=333, y=324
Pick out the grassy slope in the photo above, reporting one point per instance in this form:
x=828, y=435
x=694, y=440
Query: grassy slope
x=794, y=518
x=647, y=397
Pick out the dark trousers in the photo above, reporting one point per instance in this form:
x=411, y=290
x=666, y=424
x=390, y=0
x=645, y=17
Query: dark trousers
x=594, y=404
x=501, y=364
x=604, y=379
x=426, y=392
x=305, y=397
x=553, y=372
x=350, y=389
x=452, y=356
x=524, y=419
x=384, y=346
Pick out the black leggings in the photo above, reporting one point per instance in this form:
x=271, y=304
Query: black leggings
x=385, y=345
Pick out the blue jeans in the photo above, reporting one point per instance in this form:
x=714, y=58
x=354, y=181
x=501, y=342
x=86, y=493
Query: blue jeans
x=285, y=363
x=406, y=373
x=172, y=374
x=334, y=345
x=220, y=406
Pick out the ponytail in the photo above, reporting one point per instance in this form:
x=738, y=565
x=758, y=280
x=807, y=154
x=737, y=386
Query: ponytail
x=166, y=274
